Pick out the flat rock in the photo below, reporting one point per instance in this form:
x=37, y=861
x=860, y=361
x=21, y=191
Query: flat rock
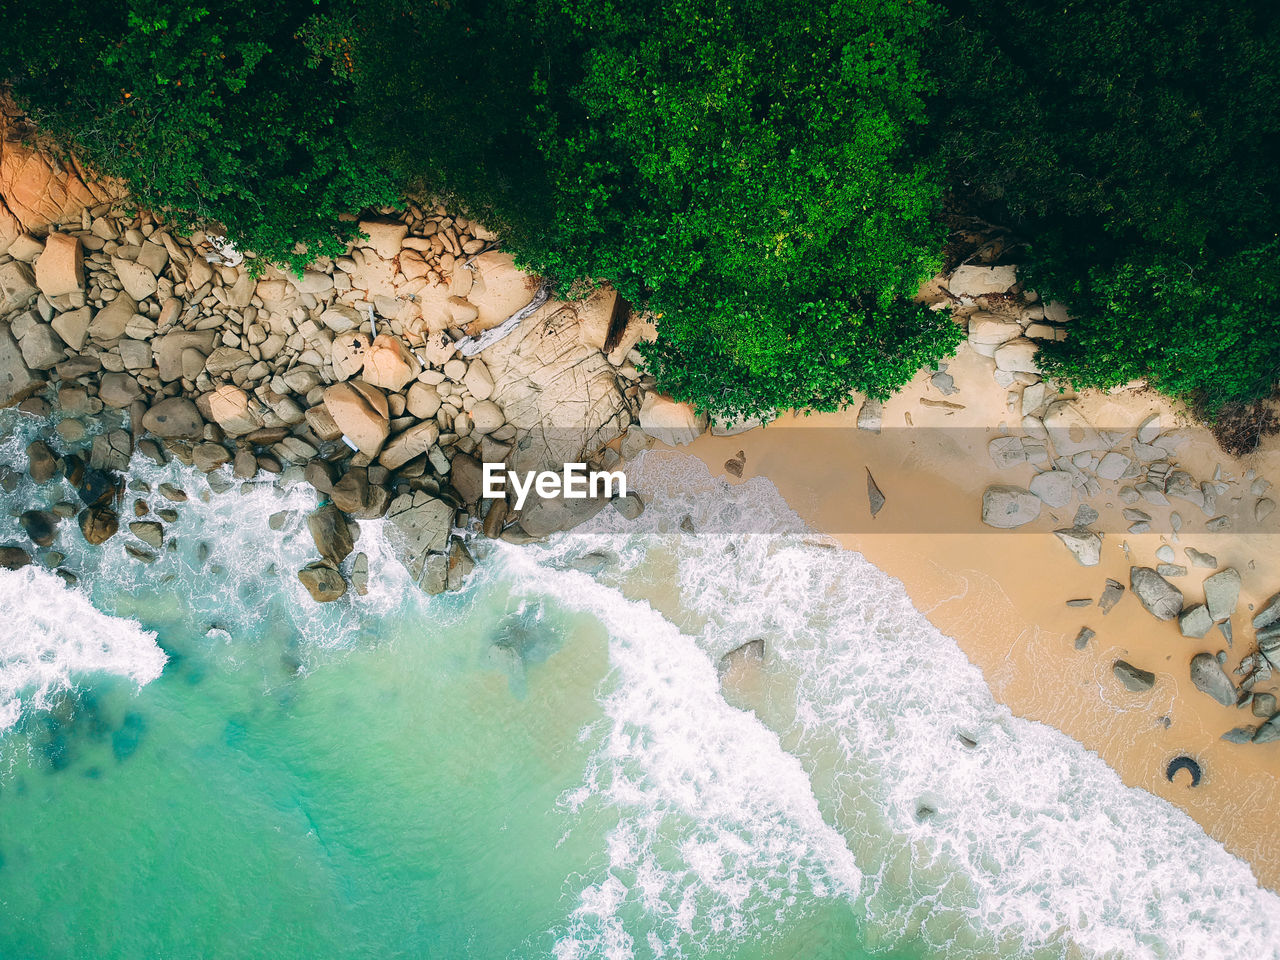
x=1053, y=487
x=17, y=286
x=419, y=527
x=1069, y=432
x=1083, y=543
x=1017, y=356
x=977, y=281
x=670, y=421
x=138, y=281
x=1111, y=595
x=17, y=380
x=1005, y=506
x=60, y=269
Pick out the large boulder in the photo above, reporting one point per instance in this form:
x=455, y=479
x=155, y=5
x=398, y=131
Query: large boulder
x=176, y=418
x=17, y=286
x=1161, y=598
x=385, y=235
x=1017, y=356
x=232, y=409
x=98, y=524
x=670, y=421
x=109, y=323
x=411, y=443
x=419, y=530
x=361, y=413
x=1069, y=431
x=1006, y=506
x=323, y=582
x=42, y=348
x=42, y=464
x=60, y=269
x=1222, y=593
x=543, y=516
x=17, y=380
x=168, y=350
x=355, y=496
x=73, y=327
x=389, y=364
x=332, y=535
x=1209, y=677
x=975, y=281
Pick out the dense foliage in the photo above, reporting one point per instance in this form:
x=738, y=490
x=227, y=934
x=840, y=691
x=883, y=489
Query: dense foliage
x=765, y=177
x=219, y=111
x=1133, y=145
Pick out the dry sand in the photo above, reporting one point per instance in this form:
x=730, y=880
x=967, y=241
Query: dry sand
x=1002, y=594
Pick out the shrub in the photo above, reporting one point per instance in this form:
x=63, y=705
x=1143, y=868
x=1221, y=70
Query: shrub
x=216, y=112
x=1132, y=144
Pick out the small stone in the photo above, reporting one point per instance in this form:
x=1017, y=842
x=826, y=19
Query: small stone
x=1264, y=705
x=1110, y=596
x=1083, y=638
x=874, y=497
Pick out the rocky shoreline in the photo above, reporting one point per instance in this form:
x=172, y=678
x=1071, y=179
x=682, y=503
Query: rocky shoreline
x=384, y=379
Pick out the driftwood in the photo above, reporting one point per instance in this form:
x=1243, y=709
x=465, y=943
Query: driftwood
x=470, y=346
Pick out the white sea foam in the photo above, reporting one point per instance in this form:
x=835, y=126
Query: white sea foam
x=54, y=637
x=1025, y=845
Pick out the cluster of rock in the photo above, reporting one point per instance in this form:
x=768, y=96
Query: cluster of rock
x=385, y=377
x=1074, y=460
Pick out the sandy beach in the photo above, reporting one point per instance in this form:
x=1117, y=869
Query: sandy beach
x=1002, y=594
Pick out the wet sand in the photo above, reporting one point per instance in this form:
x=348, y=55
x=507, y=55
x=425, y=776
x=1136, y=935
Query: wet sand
x=1002, y=593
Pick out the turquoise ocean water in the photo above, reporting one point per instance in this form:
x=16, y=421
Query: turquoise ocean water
x=197, y=761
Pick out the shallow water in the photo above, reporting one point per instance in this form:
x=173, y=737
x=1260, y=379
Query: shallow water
x=545, y=765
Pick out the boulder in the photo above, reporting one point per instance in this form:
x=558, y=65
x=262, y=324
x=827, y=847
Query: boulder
x=118, y=390
x=1113, y=466
x=26, y=248
x=360, y=574
x=478, y=380
x=1053, y=487
x=109, y=323
x=149, y=532
x=1222, y=593
x=1005, y=506
x=466, y=476
x=168, y=351
x=361, y=413
x=355, y=496
x=332, y=535
x=1269, y=614
x=1069, y=432
x=486, y=417
x=174, y=418
x=1195, y=621
x=1132, y=677
x=419, y=527
x=989, y=330
x=411, y=443
x=322, y=423
x=671, y=422
x=42, y=348
x=323, y=582
x=1083, y=543
x=232, y=409
x=422, y=401
x=42, y=464
x=870, y=416
x=1017, y=356
x=17, y=286
x=543, y=516
x=1149, y=429
x=1268, y=731
x=1209, y=677
x=975, y=281
x=630, y=506
x=208, y=457
x=1160, y=597
x=389, y=364
x=40, y=525
x=98, y=524
x=73, y=327
x=138, y=281
x=385, y=236
x=348, y=353
x=60, y=269
x=226, y=359
x=17, y=380
x=13, y=558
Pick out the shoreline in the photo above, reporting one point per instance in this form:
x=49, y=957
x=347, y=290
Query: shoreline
x=1002, y=594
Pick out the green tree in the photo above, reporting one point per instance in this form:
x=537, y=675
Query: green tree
x=1133, y=145
x=218, y=111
